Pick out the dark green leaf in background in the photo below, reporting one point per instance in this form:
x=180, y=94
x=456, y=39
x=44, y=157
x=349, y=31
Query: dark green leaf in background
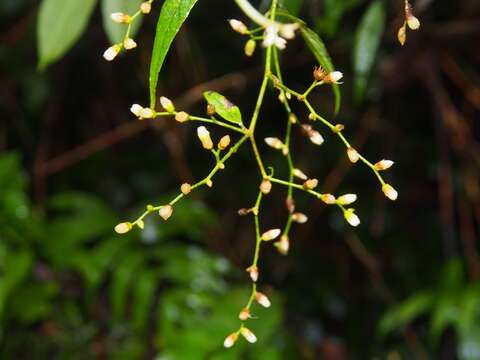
x=293, y=6
x=60, y=25
x=172, y=16
x=116, y=32
x=367, y=40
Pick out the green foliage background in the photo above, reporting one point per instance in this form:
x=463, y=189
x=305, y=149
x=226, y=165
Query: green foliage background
x=73, y=163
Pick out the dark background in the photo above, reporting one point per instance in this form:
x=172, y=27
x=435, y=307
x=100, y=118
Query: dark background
x=74, y=162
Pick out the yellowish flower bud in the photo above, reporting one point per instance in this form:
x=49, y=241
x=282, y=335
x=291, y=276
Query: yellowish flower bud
x=347, y=199
x=248, y=335
x=230, y=340
x=299, y=218
x=250, y=46
x=265, y=186
x=244, y=314
x=299, y=174
x=262, y=299
x=383, y=164
x=224, y=142
x=209, y=182
x=147, y=113
x=271, y=234
x=328, y=199
x=390, y=192
x=333, y=77
x=274, y=142
x=402, y=34
x=182, y=116
x=351, y=217
x=167, y=104
x=204, y=136
x=186, y=188
x=283, y=245
x=353, y=155
x=292, y=118
x=310, y=184
x=211, y=110
x=145, y=7
x=112, y=52
x=413, y=23
x=238, y=26
x=141, y=224
x=165, y=212
x=129, y=43
x=123, y=228
x=121, y=18
x=253, y=272
x=316, y=137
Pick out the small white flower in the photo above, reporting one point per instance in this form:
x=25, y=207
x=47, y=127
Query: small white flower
x=121, y=18
x=123, y=228
x=167, y=104
x=248, y=335
x=347, y=199
x=353, y=155
x=262, y=299
x=283, y=245
x=230, y=340
x=383, y=164
x=147, y=113
x=390, y=192
x=351, y=217
x=271, y=37
x=288, y=31
x=112, y=52
x=274, y=142
x=129, y=44
x=253, y=271
x=204, y=136
x=299, y=218
x=333, y=77
x=238, y=26
x=316, y=137
x=136, y=109
x=271, y=234
x=299, y=174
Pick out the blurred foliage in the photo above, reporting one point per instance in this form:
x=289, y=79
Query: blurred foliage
x=404, y=285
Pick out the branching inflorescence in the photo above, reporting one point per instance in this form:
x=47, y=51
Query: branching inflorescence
x=273, y=36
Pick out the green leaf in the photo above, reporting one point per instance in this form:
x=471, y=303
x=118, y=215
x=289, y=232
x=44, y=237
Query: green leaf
x=367, y=40
x=172, y=16
x=116, y=32
x=60, y=25
x=293, y=6
x=318, y=49
x=224, y=107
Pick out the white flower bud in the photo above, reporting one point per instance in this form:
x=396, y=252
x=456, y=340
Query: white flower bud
x=333, y=77
x=283, y=245
x=112, y=52
x=244, y=314
x=248, y=335
x=262, y=299
x=413, y=23
x=328, y=199
x=351, y=217
x=123, y=228
x=271, y=234
x=390, y=192
x=265, y=186
x=121, y=18
x=167, y=104
x=310, y=184
x=347, y=199
x=182, y=116
x=186, y=188
x=230, y=340
x=136, y=109
x=299, y=174
x=299, y=218
x=315, y=137
x=238, y=26
x=204, y=136
x=274, y=142
x=353, y=155
x=129, y=43
x=288, y=31
x=253, y=271
x=165, y=212
x=383, y=164
x=145, y=7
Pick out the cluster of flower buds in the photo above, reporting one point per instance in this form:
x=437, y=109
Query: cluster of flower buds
x=410, y=20
x=278, y=34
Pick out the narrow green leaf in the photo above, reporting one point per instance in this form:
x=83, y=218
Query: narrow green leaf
x=60, y=25
x=367, y=40
x=224, y=107
x=116, y=32
x=172, y=16
x=293, y=6
x=318, y=49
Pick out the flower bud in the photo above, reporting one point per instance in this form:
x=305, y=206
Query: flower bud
x=136, y=109
x=383, y=165
x=390, y=192
x=165, y=212
x=338, y=128
x=290, y=204
x=271, y=234
x=250, y=46
x=299, y=174
x=347, y=199
x=353, y=155
x=328, y=199
x=167, y=104
x=204, y=136
x=299, y=218
x=182, y=116
x=310, y=184
x=209, y=182
x=351, y=217
x=123, y=228
x=253, y=272
x=211, y=110
x=283, y=245
x=316, y=137
x=147, y=113
x=145, y=7
x=112, y=52
x=230, y=340
x=244, y=314
x=274, y=142
x=292, y=118
x=413, y=23
x=319, y=74
x=244, y=211
x=186, y=188
x=287, y=31
x=402, y=34
x=248, y=335
x=262, y=299
x=121, y=18
x=333, y=77
x=266, y=186
x=129, y=43
x=238, y=26
x=224, y=142
x=141, y=224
